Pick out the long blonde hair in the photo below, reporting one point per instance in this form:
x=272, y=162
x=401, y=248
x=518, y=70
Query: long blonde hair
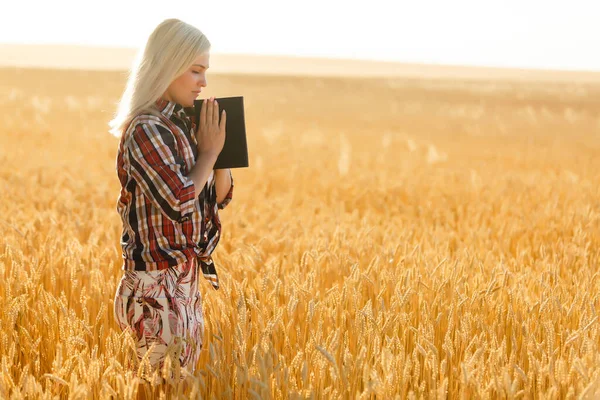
x=169, y=51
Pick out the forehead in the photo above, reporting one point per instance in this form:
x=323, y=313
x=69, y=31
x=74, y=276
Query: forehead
x=202, y=60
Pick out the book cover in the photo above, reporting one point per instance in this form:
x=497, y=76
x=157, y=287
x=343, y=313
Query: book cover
x=235, y=149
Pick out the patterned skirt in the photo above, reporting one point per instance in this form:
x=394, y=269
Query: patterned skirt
x=162, y=308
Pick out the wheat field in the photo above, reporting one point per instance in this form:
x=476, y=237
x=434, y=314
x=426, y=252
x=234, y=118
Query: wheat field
x=392, y=238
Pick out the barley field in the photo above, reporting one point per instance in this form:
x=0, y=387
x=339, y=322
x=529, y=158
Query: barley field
x=393, y=238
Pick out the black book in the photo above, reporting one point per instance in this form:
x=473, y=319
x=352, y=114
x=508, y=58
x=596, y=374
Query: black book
x=235, y=149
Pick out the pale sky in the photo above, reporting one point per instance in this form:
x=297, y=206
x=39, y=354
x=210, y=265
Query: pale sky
x=546, y=34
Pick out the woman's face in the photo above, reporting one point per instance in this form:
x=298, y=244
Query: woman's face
x=186, y=87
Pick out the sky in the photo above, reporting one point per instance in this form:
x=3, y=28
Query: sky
x=544, y=34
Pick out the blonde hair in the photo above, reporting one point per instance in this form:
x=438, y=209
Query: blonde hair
x=169, y=51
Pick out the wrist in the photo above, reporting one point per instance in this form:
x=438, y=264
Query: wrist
x=208, y=154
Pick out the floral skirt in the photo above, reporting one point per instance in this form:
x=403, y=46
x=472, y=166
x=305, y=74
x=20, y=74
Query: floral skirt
x=162, y=308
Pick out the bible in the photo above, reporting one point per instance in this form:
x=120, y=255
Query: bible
x=235, y=149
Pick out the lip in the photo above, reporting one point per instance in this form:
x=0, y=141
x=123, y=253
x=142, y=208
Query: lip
x=196, y=91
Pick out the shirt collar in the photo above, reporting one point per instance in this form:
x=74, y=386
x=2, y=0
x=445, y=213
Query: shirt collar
x=167, y=107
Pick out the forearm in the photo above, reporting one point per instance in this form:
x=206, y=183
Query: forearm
x=222, y=183
x=201, y=171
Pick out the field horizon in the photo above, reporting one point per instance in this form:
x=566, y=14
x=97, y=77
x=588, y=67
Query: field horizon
x=102, y=58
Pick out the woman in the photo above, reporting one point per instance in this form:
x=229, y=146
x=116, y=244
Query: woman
x=170, y=195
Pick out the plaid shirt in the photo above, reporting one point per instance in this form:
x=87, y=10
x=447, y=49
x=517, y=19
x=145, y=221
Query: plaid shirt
x=164, y=224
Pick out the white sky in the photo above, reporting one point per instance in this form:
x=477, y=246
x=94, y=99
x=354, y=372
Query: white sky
x=545, y=34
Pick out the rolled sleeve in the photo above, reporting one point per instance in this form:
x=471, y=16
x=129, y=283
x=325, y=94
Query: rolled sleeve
x=229, y=196
x=158, y=169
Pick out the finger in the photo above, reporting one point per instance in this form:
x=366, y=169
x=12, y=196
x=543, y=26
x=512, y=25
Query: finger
x=216, y=114
x=209, y=111
x=203, y=113
x=223, y=121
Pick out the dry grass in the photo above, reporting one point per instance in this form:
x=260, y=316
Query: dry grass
x=392, y=238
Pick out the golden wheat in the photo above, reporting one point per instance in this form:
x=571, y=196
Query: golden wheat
x=392, y=238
